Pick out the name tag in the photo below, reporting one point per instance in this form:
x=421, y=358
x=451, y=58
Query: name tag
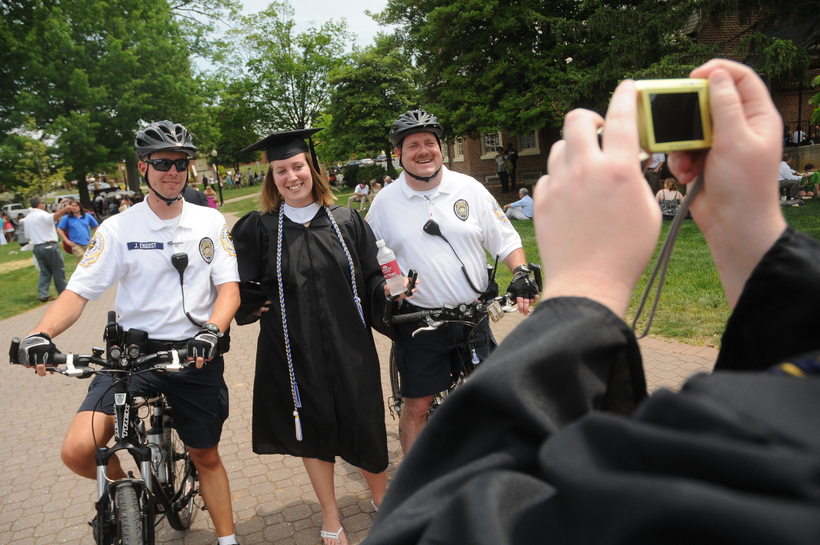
x=145, y=246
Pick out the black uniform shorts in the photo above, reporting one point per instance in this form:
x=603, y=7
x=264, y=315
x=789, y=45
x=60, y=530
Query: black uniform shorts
x=198, y=397
x=426, y=362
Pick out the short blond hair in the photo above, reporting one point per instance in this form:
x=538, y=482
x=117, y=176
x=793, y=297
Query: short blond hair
x=270, y=199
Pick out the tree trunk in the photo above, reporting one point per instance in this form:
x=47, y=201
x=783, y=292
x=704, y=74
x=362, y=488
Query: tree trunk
x=133, y=174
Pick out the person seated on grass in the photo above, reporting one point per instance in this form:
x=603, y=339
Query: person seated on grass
x=360, y=196
x=669, y=199
x=554, y=438
x=811, y=184
x=522, y=208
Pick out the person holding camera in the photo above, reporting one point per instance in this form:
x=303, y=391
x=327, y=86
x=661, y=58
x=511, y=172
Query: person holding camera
x=555, y=437
x=146, y=250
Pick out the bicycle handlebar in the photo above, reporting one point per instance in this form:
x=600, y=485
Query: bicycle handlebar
x=461, y=313
x=77, y=365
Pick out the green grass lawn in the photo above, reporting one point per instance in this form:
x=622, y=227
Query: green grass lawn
x=692, y=307
x=18, y=288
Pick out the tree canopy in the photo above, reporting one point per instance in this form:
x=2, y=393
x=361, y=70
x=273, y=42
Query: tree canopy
x=522, y=65
x=278, y=76
x=91, y=71
x=490, y=64
x=370, y=90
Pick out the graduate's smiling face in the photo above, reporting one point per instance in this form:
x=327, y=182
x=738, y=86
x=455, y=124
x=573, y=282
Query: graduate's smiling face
x=293, y=179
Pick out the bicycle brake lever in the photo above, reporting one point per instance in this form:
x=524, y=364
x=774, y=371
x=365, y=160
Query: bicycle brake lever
x=432, y=325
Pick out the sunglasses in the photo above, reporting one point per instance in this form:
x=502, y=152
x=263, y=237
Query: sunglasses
x=164, y=165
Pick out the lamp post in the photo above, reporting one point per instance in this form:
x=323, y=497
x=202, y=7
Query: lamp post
x=218, y=181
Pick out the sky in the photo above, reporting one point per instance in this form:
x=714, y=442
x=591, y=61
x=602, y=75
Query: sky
x=316, y=12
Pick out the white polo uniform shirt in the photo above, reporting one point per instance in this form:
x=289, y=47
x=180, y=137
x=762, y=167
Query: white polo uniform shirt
x=470, y=219
x=135, y=247
x=39, y=227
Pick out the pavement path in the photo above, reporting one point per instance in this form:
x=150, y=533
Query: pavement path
x=43, y=503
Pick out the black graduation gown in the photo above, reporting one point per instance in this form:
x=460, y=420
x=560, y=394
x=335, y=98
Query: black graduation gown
x=334, y=358
x=531, y=449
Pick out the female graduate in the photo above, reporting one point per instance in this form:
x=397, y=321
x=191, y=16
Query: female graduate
x=309, y=269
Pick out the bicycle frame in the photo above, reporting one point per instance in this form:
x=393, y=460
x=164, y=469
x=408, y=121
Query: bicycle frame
x=148, y=495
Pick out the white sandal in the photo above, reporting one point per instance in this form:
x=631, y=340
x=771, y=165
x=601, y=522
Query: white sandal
x=333, y=535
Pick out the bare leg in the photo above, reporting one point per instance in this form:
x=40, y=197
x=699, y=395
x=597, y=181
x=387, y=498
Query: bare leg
x=216, y=491
x=79, y=447
x=321, y=478
x=412, y=420
x=377, y=483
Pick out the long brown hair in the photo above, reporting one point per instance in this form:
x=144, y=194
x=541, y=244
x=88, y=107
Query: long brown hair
x=270, y=199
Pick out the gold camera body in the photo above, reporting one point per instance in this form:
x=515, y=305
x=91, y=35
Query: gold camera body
x=673, y=114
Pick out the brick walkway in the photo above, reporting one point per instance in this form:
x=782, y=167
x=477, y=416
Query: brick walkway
x=42, y=502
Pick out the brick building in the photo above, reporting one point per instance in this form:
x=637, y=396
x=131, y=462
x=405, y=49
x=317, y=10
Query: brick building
x=476, y=157
x=790, y=97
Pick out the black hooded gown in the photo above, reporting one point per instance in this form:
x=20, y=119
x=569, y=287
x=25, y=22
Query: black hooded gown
x=334, y=359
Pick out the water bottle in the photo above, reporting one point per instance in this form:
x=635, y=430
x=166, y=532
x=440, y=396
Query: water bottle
x=390, y=268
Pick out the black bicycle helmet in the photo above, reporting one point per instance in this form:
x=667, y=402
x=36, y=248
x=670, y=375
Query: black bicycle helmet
x=164, y=136
x=411, y=122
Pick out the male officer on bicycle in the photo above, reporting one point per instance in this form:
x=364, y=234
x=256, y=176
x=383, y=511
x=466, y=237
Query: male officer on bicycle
x=135, y=248
x=470, y=220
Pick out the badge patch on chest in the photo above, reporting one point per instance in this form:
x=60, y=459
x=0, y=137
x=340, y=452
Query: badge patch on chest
x=462, y=209
x=206, y=249
x=95, y=248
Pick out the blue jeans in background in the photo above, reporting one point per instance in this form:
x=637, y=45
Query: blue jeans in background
x=51, y=263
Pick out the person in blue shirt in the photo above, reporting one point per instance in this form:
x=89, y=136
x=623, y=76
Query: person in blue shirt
x=76, y=228
x=522, y=208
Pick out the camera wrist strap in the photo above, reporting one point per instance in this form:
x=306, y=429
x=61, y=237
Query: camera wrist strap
x=659, y=270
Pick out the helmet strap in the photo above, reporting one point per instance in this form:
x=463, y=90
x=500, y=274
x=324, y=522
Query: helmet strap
x=168, y=202
x=421, y=179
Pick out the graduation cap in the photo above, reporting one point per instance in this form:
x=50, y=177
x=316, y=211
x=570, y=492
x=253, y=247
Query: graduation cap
x=283, y=145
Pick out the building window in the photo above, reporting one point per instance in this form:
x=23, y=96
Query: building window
x=445, y=151
x=489, y=143
x=458, y=150
x=528, y=144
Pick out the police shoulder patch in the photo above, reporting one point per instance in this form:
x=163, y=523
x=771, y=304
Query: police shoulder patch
x=461, y=209
x=227, y=241
x=498, y=210
x=206, y=249
x=95, y=248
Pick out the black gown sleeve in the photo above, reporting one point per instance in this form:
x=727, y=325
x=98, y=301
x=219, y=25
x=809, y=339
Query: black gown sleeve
x=528, y=450
x=572, y=356
x=780, y=298
x=251, y=243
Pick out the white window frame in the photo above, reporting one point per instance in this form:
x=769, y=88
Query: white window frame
x=458, y=150
x=529, y=151
x=490, y=153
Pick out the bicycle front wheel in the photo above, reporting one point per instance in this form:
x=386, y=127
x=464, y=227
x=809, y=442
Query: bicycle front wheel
x=129, y=519
x=182, y=479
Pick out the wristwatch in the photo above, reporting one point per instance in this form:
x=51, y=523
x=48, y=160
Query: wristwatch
x=521, y=269
x=213, y=328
